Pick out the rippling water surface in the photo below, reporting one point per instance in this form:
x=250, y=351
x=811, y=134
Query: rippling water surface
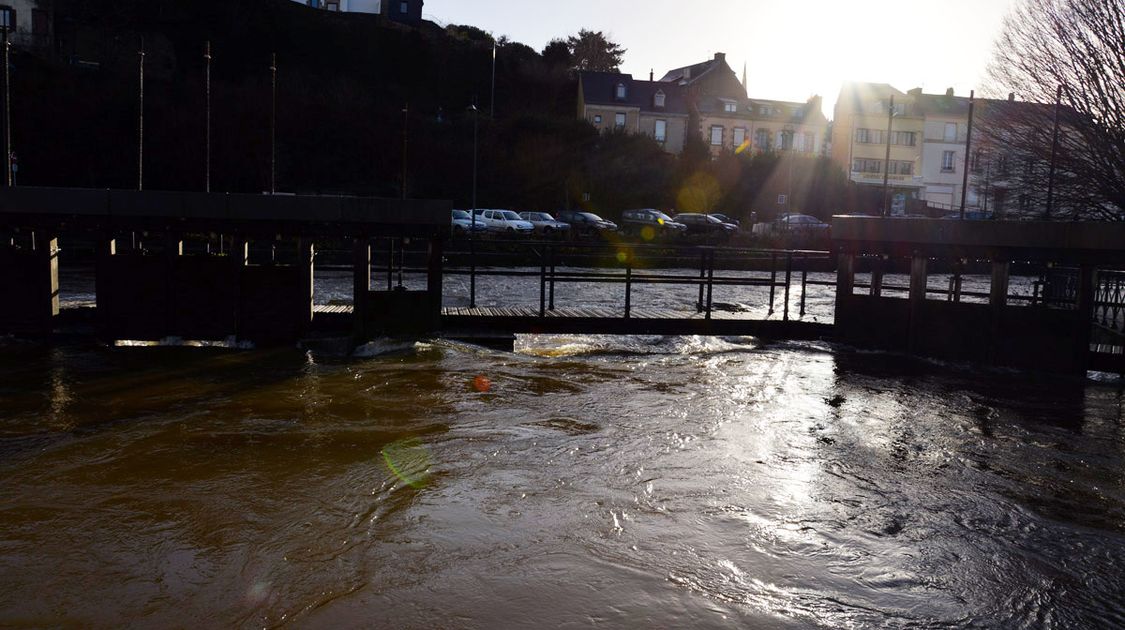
x=620, y=482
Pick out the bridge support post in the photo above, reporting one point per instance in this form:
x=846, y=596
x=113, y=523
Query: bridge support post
x=845, y=282
x=918, y=282
x=1087, y=292
x=434, y=278
x=361, y=284
x=29, y=285
x=997, y=302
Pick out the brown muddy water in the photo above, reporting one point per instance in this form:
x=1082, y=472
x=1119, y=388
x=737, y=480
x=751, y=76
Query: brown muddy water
x=640, y=482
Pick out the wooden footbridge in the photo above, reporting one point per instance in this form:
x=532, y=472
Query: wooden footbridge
x=217, y=266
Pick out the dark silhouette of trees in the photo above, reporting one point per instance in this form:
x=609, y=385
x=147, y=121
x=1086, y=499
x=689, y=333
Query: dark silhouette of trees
x=1080, y=46
x=593, y=51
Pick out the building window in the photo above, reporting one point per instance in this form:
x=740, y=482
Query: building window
x=40, y=24
x=764, y=110
x=786, y=140
x=730, y=108
x=619, y=120
x=739, y=136
x=950, y=132
x=861, y=165
x=896, y=167
x=314, y=4
x=404, y=7
x=716, y=136
x=7, y=18
x=661, y=131
x=332, y=6
x=597, y=119
x=904, y=138
x=658, y=100
x=947, y=161
x=862, y=137
x=978, y=160
x=762, y=139
x=810, y=142
x=620, y=91
x=799, y=112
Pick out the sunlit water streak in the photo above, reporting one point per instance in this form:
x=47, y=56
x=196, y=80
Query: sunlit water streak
x=622, y=482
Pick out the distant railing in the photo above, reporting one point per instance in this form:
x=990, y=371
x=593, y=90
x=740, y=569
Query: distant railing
x=641, y=264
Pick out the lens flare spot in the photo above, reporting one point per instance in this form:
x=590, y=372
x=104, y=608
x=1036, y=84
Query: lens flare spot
x=622, y=257
x=409, y=461
x=482, y=384
x=648, y=233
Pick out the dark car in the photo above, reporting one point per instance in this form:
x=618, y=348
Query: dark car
x=586, y=223
x=705, y=225
x=658, y=224
x=727, y=219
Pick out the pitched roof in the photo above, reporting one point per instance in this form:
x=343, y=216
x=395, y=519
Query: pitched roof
x=600, y=88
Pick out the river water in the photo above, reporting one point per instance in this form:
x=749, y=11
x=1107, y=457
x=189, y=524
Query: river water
x=657, y=482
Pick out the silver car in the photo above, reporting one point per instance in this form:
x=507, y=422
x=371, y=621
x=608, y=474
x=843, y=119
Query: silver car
x=504, y=222
x=545, y=223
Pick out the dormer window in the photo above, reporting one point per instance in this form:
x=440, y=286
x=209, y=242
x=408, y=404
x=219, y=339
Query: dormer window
x=730, y=108
x=658, y=100
x=620, y=91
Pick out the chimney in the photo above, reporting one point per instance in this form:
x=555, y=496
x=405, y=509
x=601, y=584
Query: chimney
x=651, y=75
x=1011, y=97
x=721, y=57
x=949, y=92
x=915, y=92
x=687, y=74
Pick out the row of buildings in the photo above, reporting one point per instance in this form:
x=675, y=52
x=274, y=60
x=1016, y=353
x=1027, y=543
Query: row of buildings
x=927, y=134
x=404, y=11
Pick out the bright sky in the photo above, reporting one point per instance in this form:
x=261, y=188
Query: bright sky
x=792, y=49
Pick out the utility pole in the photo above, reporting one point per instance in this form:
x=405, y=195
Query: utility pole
x=1054, y=152
x=7, y=17
x=476, y=119
x=207, y=116
x=405, y=140
x=887, y=161
x=273, y=124
x=141, y=117
x=492, y=100
x=968, y=147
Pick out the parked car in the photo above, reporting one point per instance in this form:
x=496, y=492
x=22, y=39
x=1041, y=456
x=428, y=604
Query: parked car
x=504, y=222
x=970, y=215
x=802, y=223
x=635, y=221
x=705, y=225
x=726, y=219
x=586, y=223
x=463, y=223
x=545, y=223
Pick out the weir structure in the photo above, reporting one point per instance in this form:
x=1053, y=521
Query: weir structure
x=1072, y=322
x=226, y=267
x=207, y=266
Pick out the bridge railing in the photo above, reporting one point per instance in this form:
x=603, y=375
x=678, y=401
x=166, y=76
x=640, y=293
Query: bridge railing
x=632, y=264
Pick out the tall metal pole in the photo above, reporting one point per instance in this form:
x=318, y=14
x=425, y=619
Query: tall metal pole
x=141, y=118
x=1054, y=152
x=492, y=100
x=7, y=102
x=273, y=124
x=405, y=139
x=887, y=161
x=207, y=116
x=968, y=147
x=476, y=119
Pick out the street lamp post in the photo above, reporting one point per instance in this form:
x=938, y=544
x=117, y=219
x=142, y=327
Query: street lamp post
x=207, y=116
x=141, y=117
x=887, y=161
x=273, y=124
x=405, y=142
x=473, y=216
x=5, y=24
